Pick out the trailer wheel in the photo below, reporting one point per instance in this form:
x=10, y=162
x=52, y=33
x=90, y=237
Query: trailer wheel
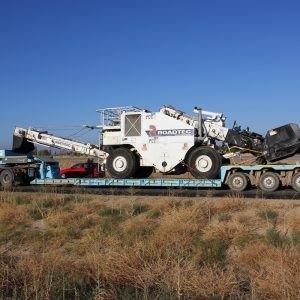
x=7, y=178
x=269, y=182
x=121, y=163
x=296, y=182
x=143, y=172
x=238, y=181
x=204, y=162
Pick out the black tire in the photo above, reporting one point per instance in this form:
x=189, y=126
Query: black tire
x=269, y=182
x=204, y=162
x=225, y=161
x=63, y=176
x=261, y=161
x=143, y=172
x=121, y=163
x=238, y=181
x=7, y=178
x=296, y=182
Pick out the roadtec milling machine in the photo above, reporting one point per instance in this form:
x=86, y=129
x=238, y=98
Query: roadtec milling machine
x=134, y=142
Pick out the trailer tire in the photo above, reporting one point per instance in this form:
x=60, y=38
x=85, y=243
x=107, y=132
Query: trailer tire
x=204, y=162
x=238, y=181
x=7, y=178
x=143, y=172
x=296, y=182
x=121, y=163
x=269, y=182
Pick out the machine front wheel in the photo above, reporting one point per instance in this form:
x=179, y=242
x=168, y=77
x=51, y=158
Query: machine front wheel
x=121, y=163
x=204, y=162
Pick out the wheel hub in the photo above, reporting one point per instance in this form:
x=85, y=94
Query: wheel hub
x=238, y=182
x=269, y=182
x=6, y=178
x=119, y=163
x=203, y=163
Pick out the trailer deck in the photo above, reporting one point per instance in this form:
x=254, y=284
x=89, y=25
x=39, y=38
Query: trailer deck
x=147, y=182
x=226, y=171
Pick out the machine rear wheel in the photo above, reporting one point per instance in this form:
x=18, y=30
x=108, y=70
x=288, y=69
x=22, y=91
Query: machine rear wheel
x=296, y=182
x=204, y=162
x=238, y=181
x=6, y=178
x=121, y=163
x=269, y=182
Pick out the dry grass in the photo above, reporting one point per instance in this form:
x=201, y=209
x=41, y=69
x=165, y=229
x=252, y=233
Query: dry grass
x=55, y=246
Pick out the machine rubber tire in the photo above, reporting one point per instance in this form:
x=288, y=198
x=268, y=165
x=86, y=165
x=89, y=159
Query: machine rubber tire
x=269, y=182
x=296, y=182
x=261, y=161
x=121, y=163
x=238, y=181
x=143, y=172
x=204, y=162
x=225, y=161
x=6, y=178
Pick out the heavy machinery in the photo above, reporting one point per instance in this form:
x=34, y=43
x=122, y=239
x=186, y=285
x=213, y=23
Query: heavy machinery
x=135, y=141
x=168, y=140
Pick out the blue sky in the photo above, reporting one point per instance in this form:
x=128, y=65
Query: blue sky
x=61, y=60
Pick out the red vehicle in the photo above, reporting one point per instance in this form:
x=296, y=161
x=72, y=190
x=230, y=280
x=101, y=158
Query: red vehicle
x=81, y=170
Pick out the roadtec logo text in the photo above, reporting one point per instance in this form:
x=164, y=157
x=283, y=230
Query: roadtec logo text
x=168, y=132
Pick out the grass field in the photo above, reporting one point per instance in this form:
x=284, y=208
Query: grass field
x=55, y=246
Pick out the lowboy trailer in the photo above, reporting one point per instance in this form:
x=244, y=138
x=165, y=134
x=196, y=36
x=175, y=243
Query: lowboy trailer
x=27, y=169
x=238, y=178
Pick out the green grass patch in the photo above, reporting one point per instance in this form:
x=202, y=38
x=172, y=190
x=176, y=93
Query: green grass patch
x=109, y=211
x=20, y=200
x=139, y=208
x=296, y=238
x=213, y=250
x=36, y=213
x=267, y=214
x=72, y=232
x=245, y=240
x=277, y=239
x=224, y=217
x=155, y=213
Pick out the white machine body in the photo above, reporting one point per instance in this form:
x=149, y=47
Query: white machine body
x=162, y=139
